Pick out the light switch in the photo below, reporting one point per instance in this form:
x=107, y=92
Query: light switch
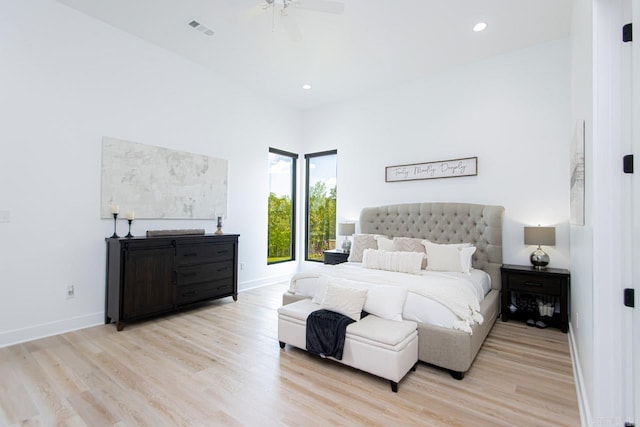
x=5, y=216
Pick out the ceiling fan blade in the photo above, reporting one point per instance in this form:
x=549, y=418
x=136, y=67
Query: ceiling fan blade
x=291, y=28
x=321, y=6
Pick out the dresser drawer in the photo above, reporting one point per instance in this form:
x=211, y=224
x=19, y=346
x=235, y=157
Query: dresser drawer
x=528, y=283
x=204, y=272
x=196, y=254
x=202, y=291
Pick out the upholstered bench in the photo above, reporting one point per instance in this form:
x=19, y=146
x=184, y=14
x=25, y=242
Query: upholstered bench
x=386, y=348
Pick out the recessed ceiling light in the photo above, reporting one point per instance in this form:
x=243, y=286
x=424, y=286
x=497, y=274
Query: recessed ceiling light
x=480, y=26
x=306, y=87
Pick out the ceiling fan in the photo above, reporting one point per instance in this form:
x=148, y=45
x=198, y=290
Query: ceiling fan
x=326, y=6
x=284, y=6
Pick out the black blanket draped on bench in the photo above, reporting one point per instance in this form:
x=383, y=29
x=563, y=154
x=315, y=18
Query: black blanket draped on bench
x=326, y=331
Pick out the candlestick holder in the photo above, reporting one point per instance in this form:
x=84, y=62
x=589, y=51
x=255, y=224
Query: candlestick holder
x=129, y=235
x=219, y=226
x=115, y=222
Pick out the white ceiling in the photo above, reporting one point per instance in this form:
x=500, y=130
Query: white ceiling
x=373, y=45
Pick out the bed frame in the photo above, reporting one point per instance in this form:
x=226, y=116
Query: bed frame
x=480, y=225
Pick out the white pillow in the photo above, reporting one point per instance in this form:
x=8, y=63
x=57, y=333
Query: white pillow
x=323, y=282
x=347, y=301
x=465, y=258
x=320, y=292
x=453, y=257
x=403, y=262
x=384, y=243
x=307, y=287
x=386, y=301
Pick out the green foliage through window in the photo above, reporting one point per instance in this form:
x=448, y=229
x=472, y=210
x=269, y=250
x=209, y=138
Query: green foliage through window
x=321, y=203
x=281, y=213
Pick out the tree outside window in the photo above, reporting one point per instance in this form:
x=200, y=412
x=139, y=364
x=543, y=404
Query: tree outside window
x=321, y=190
x=282, y=205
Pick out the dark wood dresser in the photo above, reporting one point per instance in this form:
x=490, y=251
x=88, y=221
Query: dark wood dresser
x=147, y=276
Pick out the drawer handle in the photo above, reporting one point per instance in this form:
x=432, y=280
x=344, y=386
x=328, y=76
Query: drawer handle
x=192, y=254
x=223, y=251
x=188, y=294
x=222, y=269
x=532, y=284
x=189, y=274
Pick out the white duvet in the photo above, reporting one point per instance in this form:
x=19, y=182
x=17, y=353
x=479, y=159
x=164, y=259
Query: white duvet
x=446, y=299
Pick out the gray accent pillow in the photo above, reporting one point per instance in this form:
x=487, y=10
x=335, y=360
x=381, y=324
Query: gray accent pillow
x=360, y=243
x=410, y=244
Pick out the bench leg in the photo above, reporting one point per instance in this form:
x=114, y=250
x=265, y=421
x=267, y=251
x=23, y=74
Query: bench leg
x=281, y=344
x=394, y=386
x=457, y=375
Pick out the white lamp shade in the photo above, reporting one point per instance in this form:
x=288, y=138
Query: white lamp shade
x=346, y=229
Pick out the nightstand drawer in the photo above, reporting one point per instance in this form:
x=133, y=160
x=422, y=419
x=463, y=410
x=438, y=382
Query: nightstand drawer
x=530, y=283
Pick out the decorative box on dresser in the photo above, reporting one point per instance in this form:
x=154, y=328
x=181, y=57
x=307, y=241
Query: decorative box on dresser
x=550, y=282
x=147, y=276
x=335, y=256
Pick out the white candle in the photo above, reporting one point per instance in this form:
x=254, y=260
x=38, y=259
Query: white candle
x=115, y=209
x=130, y=215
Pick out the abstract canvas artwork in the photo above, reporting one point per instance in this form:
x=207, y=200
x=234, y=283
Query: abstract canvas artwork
x=159, y=183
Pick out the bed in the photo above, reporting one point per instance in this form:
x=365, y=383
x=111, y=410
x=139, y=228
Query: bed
x=440, y=342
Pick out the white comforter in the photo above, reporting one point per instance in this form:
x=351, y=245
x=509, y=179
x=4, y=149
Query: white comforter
x=441, y=298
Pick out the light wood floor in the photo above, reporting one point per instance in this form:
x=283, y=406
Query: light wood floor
x=221, y=365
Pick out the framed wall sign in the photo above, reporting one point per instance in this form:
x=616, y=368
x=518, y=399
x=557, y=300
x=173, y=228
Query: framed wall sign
x=432, y=170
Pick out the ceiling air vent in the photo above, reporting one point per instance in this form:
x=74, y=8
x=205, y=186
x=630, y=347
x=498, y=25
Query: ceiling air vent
x=200, y=27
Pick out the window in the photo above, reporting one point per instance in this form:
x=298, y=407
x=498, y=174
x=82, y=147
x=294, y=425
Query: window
x=282, y=206
x=321, y=203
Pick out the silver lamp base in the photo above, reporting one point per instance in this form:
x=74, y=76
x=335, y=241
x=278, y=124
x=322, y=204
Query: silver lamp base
x=539, y=258
x=346, y=245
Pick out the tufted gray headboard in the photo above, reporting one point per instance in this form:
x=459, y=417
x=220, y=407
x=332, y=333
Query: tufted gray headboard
x=480, y=225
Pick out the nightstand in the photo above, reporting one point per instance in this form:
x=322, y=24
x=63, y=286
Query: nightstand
x=551, y=282
x=335, y=256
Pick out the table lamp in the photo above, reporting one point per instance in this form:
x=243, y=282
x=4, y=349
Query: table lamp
x=346, y=229
x=539, y=236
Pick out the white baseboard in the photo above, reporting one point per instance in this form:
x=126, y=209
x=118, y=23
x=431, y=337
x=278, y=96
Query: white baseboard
x=44, y=330
x=583, y=401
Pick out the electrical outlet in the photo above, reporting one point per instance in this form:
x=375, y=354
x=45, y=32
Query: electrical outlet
x=242, y=266
x=71, y=291
x=577, y=320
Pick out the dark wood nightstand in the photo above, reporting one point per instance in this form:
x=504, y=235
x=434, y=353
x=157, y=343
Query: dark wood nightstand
x=335, y=256
x=553, y=282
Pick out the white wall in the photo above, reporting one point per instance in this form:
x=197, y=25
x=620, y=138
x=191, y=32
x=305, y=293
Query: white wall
x=581, y=237
x=599, y=250
x=68, y=80
x=511, y=111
